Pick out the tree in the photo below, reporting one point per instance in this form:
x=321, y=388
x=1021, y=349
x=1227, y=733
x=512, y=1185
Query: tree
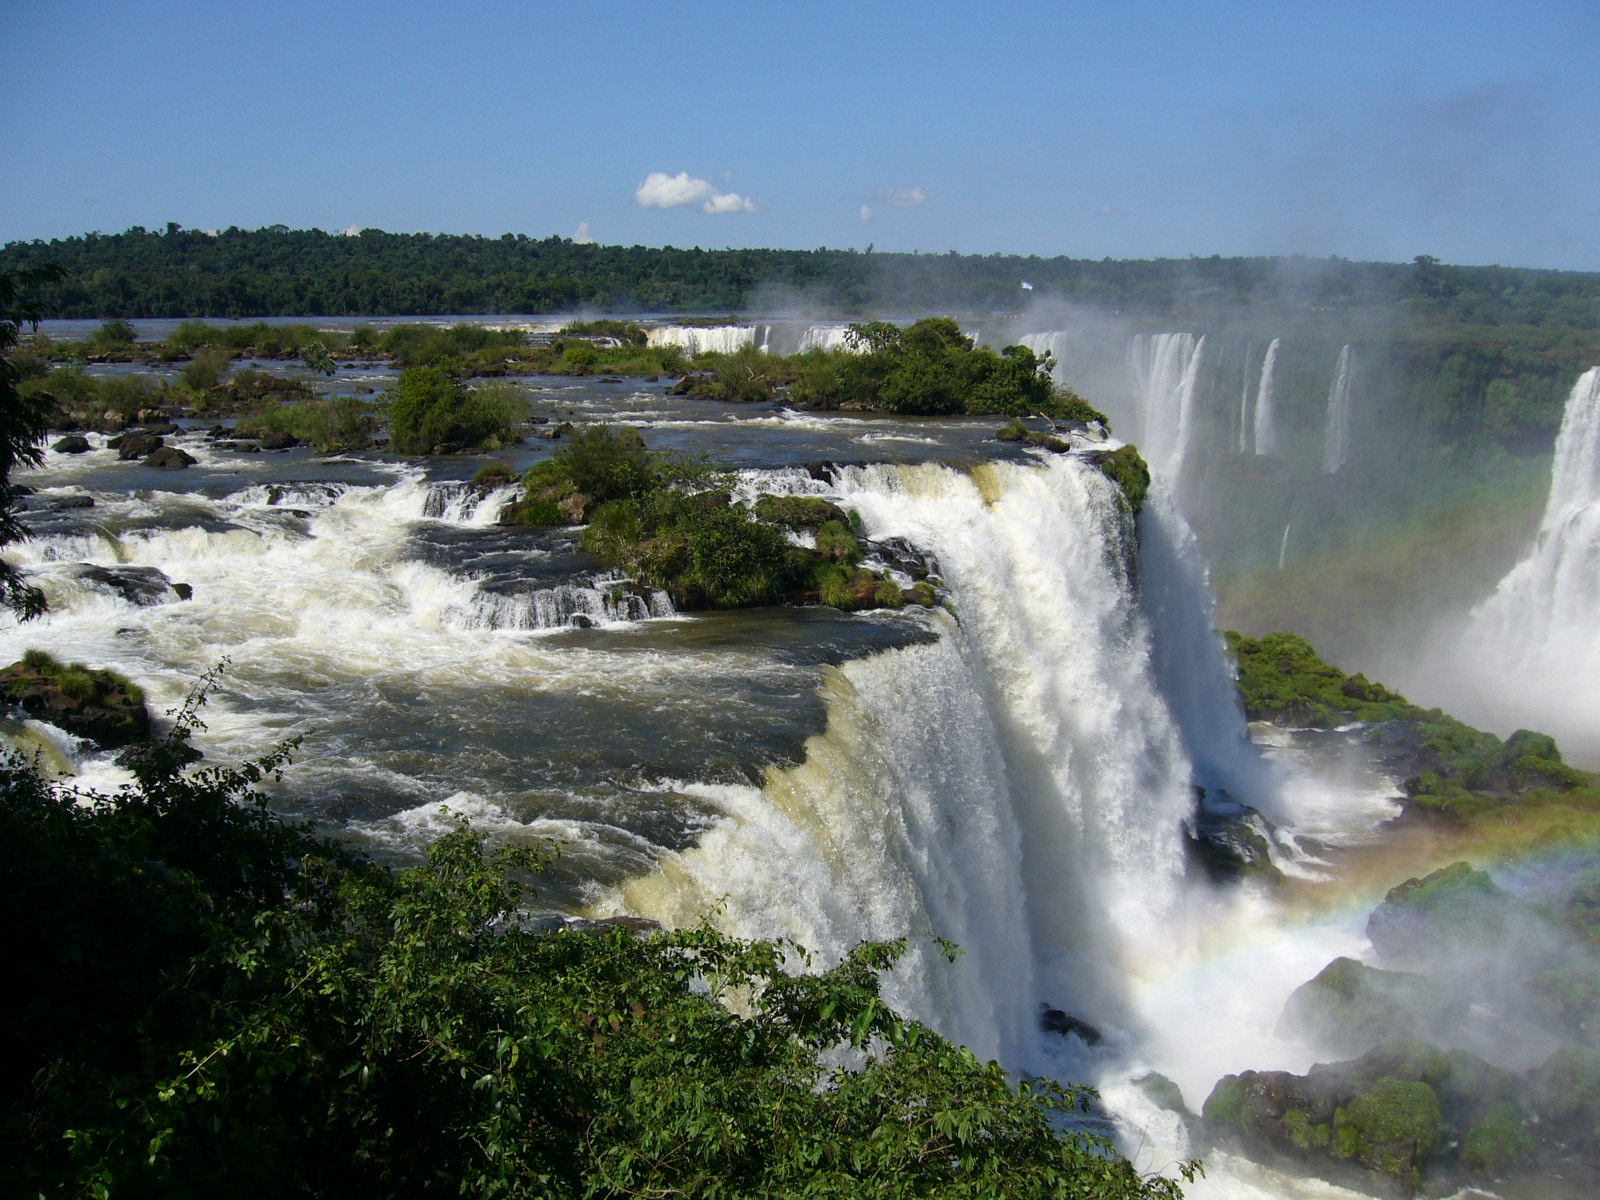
x=24, y=421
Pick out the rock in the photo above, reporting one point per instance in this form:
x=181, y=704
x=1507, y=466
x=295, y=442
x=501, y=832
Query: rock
x=551, y=433
x=170, y=458
x=63, y=503
x=575, y=508
x=163, y=427
x=184, y=591
x=579, y=621
x=1351, y=1008
x=1053, y=1020
x=139, y=586
x=1230, y=841
x=98, y=705
x=799, y=512
x=279, y=441
x=130, y=446
x=74, y=443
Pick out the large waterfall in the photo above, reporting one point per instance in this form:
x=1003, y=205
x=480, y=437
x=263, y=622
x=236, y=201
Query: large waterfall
x=1019, y=786
x=1535, y=642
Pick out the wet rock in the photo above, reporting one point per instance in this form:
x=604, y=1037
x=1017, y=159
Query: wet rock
x=73, y=443
x=1053, y=1020
x=167, y=428
x=1228, y=840
x=140, y=586
x=64, y=503
x=279, y=441
x=170, y=458
x=184, y=591
x=130, y=446
x=98, y=705
x=1350, y=1008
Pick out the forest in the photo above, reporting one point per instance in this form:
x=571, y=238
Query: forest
x=277, y=271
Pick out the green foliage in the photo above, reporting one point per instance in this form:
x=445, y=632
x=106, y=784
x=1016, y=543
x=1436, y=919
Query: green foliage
x=1126, y=468
x=199, y=991
x=204, y=371
x=494, y=473
x=1496, y=1141
x=1281, y=678
x=335, y=426
x=837, y=544
x=1391, y=1129
x=114, y=335
x=431, y=411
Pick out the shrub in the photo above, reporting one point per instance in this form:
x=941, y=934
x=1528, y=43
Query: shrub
x=431, y=411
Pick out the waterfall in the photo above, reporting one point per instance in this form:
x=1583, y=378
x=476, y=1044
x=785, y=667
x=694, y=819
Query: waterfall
x=1017, y=786
x=1535, y=642
x=1164, y=368
x=824, y=337
x=1244, y=403
x=708, y=339
x=1336, y=431
x=1265, y=429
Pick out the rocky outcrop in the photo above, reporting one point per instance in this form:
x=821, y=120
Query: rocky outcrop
x=1228, y=840
x=73, y=443
x=130, y=446
x=98, y=705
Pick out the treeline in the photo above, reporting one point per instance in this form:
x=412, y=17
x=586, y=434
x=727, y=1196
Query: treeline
x=278, y=271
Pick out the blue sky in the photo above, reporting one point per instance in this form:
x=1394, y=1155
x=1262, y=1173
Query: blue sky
x=1469, y=130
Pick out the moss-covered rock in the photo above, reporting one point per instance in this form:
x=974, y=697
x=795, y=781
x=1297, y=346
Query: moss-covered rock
x=1126, y=468
x=800, y=512
x=1349, y=1007
x=101, y=706
x=1391, y=1129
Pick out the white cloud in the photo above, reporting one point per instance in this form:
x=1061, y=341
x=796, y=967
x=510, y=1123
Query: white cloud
x=902, y=197
x=866, y=212
x=583, y=237
x=728, y=202
x=660, y=190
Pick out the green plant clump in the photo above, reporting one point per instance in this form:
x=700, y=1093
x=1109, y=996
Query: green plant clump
x=1391, y=1129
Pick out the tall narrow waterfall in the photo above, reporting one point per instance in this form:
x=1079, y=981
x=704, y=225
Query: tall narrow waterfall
x=1164, y=368
x=1336, y=431
x=1536, y=638
x=1017, y=786
x=1244, y=403
x=1266, y=430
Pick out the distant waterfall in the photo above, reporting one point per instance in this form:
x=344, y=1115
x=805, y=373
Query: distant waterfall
x=1244, y=404
x=1164, y=368
x=1536, y=639
x=1336, y=430
x=1017, y=786
x=708, y=339
x=1266, y=430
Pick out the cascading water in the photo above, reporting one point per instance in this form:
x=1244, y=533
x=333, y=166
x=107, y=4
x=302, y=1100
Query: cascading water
x=1244, y=405
x=708, y=339
x=1018, y=787
x=1164, y=368
x=1534, y=644
x=824, y=337
x=1336, y=429
x=1266, y=430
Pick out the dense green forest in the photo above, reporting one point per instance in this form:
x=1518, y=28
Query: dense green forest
x=279, y=271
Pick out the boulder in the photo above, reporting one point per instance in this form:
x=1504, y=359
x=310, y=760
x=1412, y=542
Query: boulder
x=98, y=705
x=170, y=458
x=279, y=441
x=73, y=443
x=130, y=446
x=1350, y=1008
x=1228, y=840
x=1053, y=1020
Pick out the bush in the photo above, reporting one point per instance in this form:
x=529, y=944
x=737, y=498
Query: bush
x=431, y=411
x=342, y=424
x=204, y=371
